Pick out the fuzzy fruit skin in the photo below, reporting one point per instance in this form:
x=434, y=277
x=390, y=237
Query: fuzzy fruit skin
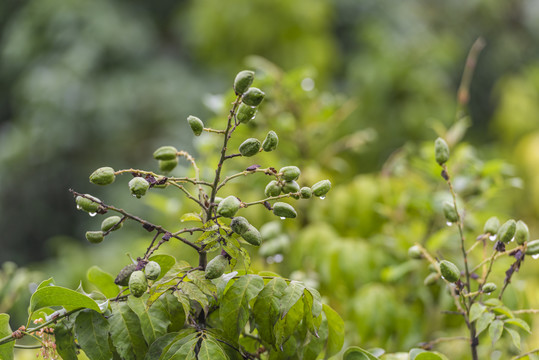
x=103, y=176
x=165, y=153
x=272, y=189
x=168, y=165
x=306, y=192
x=239, y=225
x=522, y=233
x=431, y=279
x=109, y=223
x=489, y=287
x=290, y=187
x=246, y=113
x=321, y=188
x=289, y=173
x=229, y=206
x=152, y=270
x=252, y=236
x=250, y=147
x=450, y=212
x=138, y=283
x=243, y=80
x=216, y=267
x=285, y=210
x=441, y=151
x=507, y=231
x=270, y=142
x=491, y=226
x=95, y=237
x=449, y=271
x=414, y=252
x=532, y=248
x=138, y=186
x=86, y=204
x=124, y=274
x=253, y=96
x=196, y=125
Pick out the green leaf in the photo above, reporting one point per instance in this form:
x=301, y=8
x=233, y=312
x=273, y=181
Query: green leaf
x=184, y=300
x=199, y=279
x=60, y=296
x=126, y=333
x=48, y=282
x=222, y=282
x=92, y=332
x=183, y=337
x=357, y=353
x=317, y=301
x=429, y=356
x=193, y=292
x=515, y=336
x=336, y=331
x=476, y=310
x=174, y=310
x=246, y=258
x=495, y=330
x=484, y=321
x=234, y=311
x=103, y=281
x=158, y=346
x=165, y=261
x=153, y=321
x=291, y=295
x=309, y=321
x=502, y=310
x=191, y=217
x=493, y=302
x=266, y=308
x=211, y=350
x=285, y=327
x=65, y=340
x=520, y=323
x=186, y=351
x=6, y=350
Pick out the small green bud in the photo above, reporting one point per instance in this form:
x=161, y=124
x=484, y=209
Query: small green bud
x=284, y=210
x=138, y=186
x=123, y=276
x=95, y=237
x=532, y=248
x=110, y=222
x=229, y=206
x=246, y=113
x=196, y=124
x=250, y=147
x=239, y=225
x=449, y=271
x=489, y=287
x=165, y=153
x=449, y=212
x=103, y=176
x=431, y=279
x=152, y=270
x=507, y=231
x=522, y=234
x=441, y=151
x=216, y=267
x=289, y=173
x=88, y=203
x=138, y=283
x=253, y=96
x=414, y=252
x=271, y=141
x=272, y=189
x=321, y=188
x=491, y=226
x=306, y=192
x=243, y=80
x=290, y=187
x=252, y=236
x=168, y=165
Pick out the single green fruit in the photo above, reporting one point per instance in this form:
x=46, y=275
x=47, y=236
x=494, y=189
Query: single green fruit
x=253, y=96
x=229, y=206
x=196, y=124
x=284, y=210
x=414, y=252
x=522, y=234
x=243, y=80
x=449, y=271
x=103, y=176
x=239, y=225
x=431, y=279
x=110, y=222
x=507, y=231
x=271, y=141
x=532, y=248
x=272, y=189
x=152, y=270
x=95, y=237
x=218, y=200
x=306, y=192
x=489, y=287
x=289, y=173
x=246, y=113
x=216, y=267
x=123, y=276
x=88, y=203
x=250, y=147
x=321, y=188
x=168, y=165
x=138, y=283
x=491, y=226
x=449, y=212
x=252, y=236
x=290, y=187
x=165, y=153
x=138, y=186
x=441, y=151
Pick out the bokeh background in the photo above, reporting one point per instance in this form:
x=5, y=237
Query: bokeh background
x=357, y=91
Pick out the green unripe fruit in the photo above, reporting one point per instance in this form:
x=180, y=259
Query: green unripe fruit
x=507, y=231
x=253, y=96
x=88, y=203
x=168, y=165
x=441, y=151
x=491, y=226
x=489, y=287
x=252, y=236
x=306, y=192
x=289, y=173
x=246, y=113
x=321, y=188
x=522, y=234
x=272, y=189
x=414, y=252
x=239, y=225
x=138, y=283
x=216, y=267
x=218, y=200
x=95, y=237
x=271, y=141
x=196, y=124
x=532, y=247
x=290, y=187
x=449, y=212
x=138, y=186
x=431, y=279
x=123, y=276
x=243, y=80
x=229, y=206
x=284, y=210
x=449, y=271
x=165, y=153
x=103, y=176
x=152, y=270
x=250, y=147
x=110, y=222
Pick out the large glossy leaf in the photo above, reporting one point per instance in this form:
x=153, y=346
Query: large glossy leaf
x=103, y=281
x=286, y=326
x=174, y=310
x=186, y=351
x=183, y=336
x=158, y=346
x=194, y=293
x=291, y=295
x=60, y=296
x=6, y=350
x=266, y=308
x=92, y=332
x=335, y=333
x=126, y=332
x=153, y=321
x=64, y=338
x=199, y=279
x=211, y=350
